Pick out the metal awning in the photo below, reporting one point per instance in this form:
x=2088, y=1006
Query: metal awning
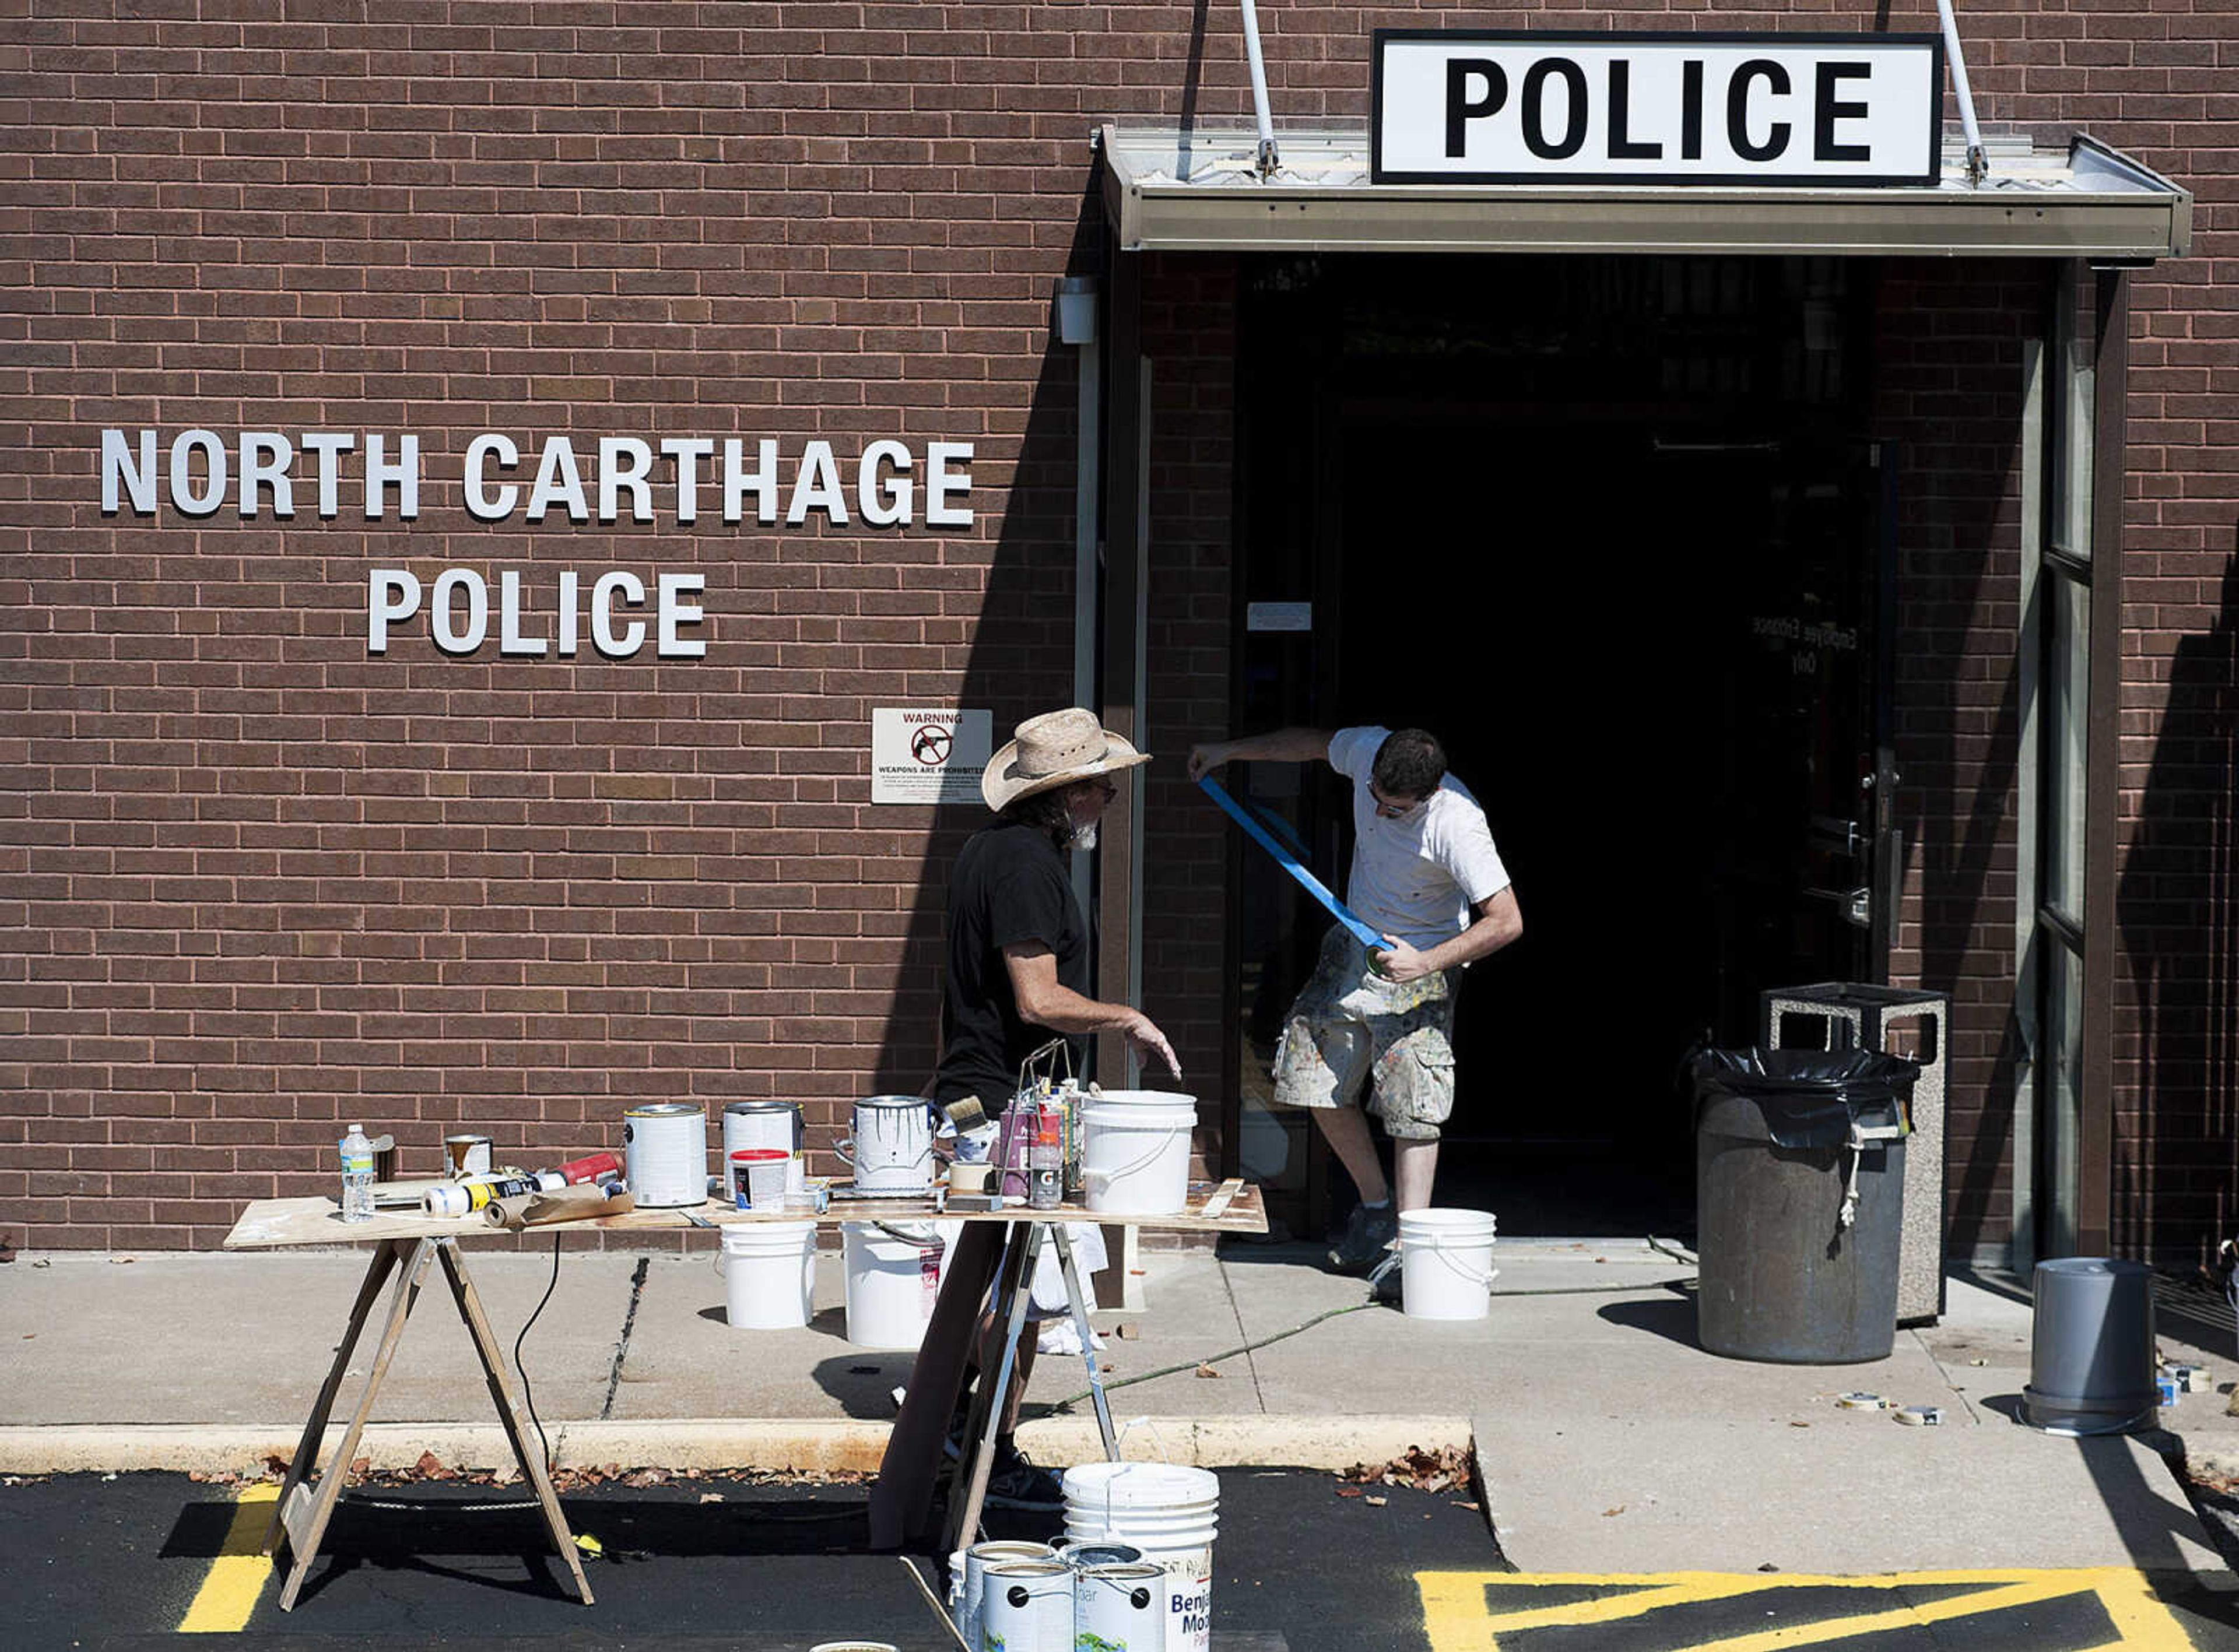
x=1169, y=191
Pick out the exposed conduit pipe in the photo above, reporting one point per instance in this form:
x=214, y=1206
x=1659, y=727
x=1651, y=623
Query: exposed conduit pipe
x=1978, y=164
x=1269, y=160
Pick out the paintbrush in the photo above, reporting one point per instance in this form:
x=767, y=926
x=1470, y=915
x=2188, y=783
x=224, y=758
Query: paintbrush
x=966, y=1115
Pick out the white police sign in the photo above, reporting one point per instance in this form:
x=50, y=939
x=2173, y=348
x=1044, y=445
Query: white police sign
x=1525, y=106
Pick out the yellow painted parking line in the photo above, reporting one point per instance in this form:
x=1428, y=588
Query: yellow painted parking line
x=1457, y=1614
x=236, y=1577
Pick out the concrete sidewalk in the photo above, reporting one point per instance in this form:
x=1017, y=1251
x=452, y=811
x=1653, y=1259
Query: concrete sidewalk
x=1608, y=1441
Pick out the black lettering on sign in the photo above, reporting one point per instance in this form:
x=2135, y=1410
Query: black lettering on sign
x=1826, y=111
x=1535, y=113
x=1690, y=109
x=1737, y=96
x=1622, y=147
x=1461, y=109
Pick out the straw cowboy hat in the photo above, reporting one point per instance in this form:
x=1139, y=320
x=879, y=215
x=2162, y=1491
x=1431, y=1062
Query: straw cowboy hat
x=1054, y=750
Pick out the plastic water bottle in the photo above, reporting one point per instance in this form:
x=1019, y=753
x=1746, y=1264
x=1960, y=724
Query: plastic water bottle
x=357, y=1176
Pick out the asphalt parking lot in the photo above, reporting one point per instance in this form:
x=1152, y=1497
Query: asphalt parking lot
x=87, y=1561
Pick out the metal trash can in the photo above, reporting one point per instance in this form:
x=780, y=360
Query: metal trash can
x=1800, y=1190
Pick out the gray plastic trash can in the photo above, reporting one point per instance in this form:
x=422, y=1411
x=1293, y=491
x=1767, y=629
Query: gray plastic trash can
x=1800, y=1188
x=2091, y=1347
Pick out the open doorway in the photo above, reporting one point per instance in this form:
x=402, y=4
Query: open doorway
x=1608, y=528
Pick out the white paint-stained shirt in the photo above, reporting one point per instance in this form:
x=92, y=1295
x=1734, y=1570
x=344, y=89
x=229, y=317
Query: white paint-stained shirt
x=1417, y=877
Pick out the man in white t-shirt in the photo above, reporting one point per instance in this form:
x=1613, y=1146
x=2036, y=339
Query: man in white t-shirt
x=1426, y=876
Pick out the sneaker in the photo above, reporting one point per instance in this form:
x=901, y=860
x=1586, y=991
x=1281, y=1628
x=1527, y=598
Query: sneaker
x=1014, y=1483
x=1368, y=1234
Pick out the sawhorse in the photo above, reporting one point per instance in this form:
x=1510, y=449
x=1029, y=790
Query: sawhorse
x=304, y=1508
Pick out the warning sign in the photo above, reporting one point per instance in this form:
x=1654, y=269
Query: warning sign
x=932, y=755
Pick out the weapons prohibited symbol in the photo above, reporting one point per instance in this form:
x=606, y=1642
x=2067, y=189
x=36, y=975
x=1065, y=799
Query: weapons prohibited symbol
x=930, y=744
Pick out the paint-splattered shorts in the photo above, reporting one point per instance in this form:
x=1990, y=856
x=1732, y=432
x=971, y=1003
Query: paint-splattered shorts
x=1350, y=1023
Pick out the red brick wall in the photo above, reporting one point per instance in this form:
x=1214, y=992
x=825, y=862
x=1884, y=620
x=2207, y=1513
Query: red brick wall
x=1949, y=398
x=255, y=884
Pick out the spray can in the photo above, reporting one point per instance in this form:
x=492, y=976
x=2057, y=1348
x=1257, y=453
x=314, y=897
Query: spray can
x=1045, y=1161
x=591, y=1168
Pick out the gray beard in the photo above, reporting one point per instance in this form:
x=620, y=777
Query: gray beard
x=1080, y=837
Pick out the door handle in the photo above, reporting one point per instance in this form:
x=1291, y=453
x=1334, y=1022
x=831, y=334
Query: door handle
x=1857, y=904
x=1848, y=833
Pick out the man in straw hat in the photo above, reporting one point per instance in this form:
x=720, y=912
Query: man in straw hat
x=1018, y=971
x=1018, y=941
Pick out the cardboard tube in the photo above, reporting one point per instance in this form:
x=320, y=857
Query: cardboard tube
x=569, y=1205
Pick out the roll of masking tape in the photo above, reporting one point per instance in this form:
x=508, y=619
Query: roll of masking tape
x=1861, y=1401
x=1921, y=1415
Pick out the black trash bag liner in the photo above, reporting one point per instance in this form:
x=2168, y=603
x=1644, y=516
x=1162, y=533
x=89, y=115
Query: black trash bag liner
x=1808, y=1098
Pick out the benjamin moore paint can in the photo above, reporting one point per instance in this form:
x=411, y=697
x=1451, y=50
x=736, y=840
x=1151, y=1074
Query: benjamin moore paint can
x=665, y=1148
x=1119, y=1609
x=970, y=1569
x=1026, y=1606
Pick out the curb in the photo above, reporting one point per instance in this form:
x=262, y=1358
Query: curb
x=1259, y=1440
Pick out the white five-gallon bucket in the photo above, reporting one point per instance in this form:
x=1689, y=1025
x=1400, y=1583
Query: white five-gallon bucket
x=1445, y=1264
x=1135, y=1152
x=769, y=1272
x=1168, y=1512
x=893, y=1274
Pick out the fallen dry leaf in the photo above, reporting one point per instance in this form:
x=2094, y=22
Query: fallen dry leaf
x=711, y=1497
x=360, y=1466
x=1348, y=1491
x=1376, y=1503
x=1206, y=1370
x=1606, y=1513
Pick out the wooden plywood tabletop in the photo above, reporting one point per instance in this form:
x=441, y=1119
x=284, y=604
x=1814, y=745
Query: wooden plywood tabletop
x=273, y=1224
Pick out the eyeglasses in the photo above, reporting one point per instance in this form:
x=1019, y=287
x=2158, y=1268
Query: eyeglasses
x=1391, y=808
x=1109, y=789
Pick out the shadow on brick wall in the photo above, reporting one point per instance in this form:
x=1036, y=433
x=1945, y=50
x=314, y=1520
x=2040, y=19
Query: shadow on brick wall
x=2178, y=906
x=1017, y=649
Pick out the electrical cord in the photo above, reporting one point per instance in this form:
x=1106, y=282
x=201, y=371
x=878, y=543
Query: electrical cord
x=1071, y=1401
x=528, y=1394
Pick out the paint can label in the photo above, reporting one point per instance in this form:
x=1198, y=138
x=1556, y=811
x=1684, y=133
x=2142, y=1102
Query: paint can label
x=1189, y=1600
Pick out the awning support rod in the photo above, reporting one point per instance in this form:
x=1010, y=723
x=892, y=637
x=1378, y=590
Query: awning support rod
x=1268, y=159
x=1978, y=164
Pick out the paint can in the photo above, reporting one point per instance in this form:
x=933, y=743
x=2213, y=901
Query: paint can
x=1026, y=1606
x=1082, y=1555
x=968, y=1579
x=767, y=1124
x=891, y=1148
x=465, y=1156
x=758, y=1178
x=1117, y=1607
x=666, y=1146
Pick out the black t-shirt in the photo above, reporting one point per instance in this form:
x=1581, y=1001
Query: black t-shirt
x=1010, y=886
